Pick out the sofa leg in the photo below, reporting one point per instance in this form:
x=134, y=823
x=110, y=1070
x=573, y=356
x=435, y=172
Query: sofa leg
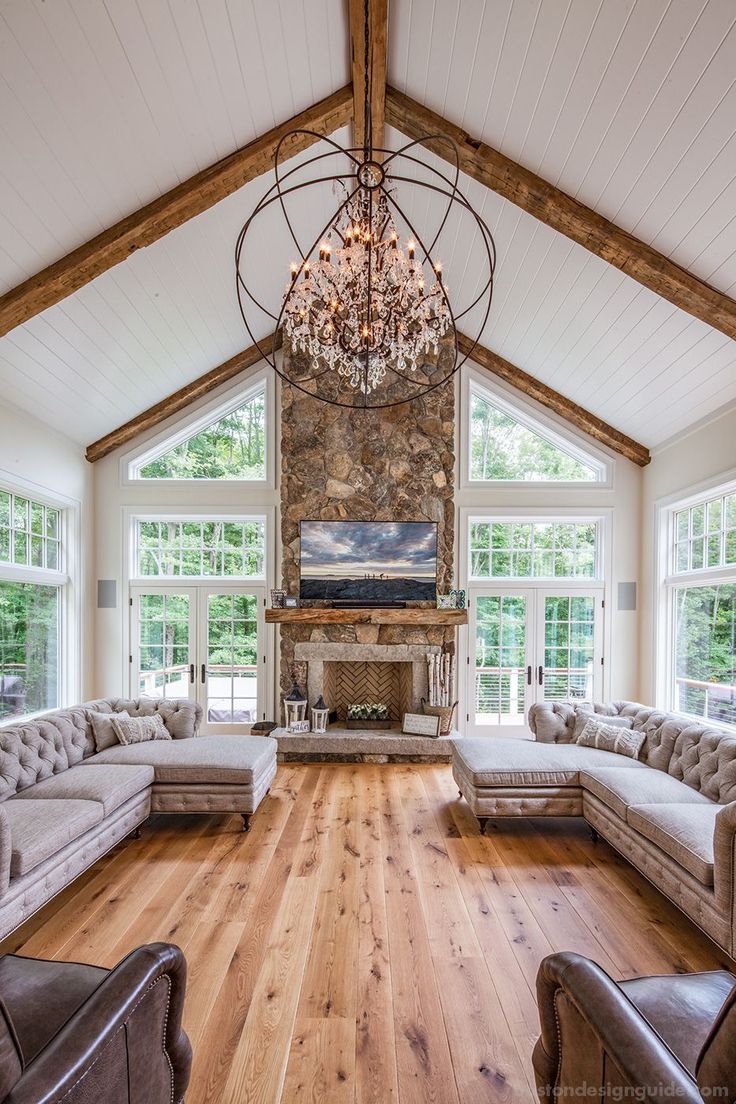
x=593, y=834
x=136, y=833
x=246, y=821
x=482, y=821
x=459, y=794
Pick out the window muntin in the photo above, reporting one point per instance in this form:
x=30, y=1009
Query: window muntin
x=231, y=447
x=30, y=532
x=704, y=652
x=705, y=535
x=522, y=549
x=503, y=447
x=211, y=548
x=29, y=648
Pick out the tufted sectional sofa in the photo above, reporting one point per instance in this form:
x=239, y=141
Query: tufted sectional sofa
x=671, y=813
x=63, y=804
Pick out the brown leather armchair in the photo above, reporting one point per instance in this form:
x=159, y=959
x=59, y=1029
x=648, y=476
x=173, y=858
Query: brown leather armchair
x=670, y=1037
x=82, y=1035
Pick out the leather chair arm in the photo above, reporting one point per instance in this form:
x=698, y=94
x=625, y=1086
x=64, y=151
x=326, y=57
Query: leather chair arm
x=724, y=862
x=105, y=1020
x=625, y=1038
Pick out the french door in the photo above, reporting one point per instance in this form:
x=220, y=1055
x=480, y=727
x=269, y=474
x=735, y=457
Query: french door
x=530, y=644
x=205, y=643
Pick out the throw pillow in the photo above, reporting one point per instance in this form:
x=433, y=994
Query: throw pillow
x=139, y=730
x=104, y=733
x=584, y=715
x=607, y=737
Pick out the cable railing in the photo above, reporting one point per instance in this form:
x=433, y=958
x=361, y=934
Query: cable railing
x=502, y=690
x=152, y=683
x=714, y=701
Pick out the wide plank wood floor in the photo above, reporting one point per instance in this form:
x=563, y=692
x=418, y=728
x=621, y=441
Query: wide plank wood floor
x=363, y=943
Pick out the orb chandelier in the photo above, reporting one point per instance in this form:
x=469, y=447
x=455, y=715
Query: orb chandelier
x=366, y=315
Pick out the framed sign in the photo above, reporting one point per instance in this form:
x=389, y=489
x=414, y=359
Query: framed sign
x=299, y=726
x=417, y=724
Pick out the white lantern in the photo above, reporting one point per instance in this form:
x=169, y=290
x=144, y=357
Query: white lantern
x=295, y=708
x=320, y=715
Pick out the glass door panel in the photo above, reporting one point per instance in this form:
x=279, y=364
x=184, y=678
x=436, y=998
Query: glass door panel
x=230, y=686
x=571, y=664
x=163, y=644
x=500, y=665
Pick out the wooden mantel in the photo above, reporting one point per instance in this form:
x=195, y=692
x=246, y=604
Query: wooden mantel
x=316, y=616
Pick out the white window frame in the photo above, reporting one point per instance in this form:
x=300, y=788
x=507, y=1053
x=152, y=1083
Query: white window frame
x=133, y=514
x=68, y=580
x=261, y=380
x=669, y=581
x=544, y=424
x=182, y=516
x=600, y=583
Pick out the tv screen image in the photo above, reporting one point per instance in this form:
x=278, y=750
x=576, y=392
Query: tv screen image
x=369, y=561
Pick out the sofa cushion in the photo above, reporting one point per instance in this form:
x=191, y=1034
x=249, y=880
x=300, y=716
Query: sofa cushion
x=487, y=761
x=619, y=739
x=214, y=759
x=40, y=828
x=112, y=786
x=619, y=788
x=684, y=832
x=181, y=716
x=139, y=730
x=103, y=730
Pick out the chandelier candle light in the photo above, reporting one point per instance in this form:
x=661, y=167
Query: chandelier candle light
x=366, y=314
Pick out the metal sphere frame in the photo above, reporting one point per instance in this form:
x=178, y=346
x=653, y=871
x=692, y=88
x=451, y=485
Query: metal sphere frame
x=375, y=178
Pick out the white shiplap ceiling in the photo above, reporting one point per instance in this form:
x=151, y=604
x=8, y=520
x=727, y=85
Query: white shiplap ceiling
x=631, y=107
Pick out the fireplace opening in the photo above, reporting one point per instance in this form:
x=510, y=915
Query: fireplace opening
x=353, y=682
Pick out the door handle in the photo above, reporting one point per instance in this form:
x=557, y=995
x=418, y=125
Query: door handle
x=191, y=672
x=540, y=674
x=529, y=675
x=203, y=674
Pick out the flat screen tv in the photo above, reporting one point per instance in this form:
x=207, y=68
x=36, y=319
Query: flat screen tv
x=369, y=562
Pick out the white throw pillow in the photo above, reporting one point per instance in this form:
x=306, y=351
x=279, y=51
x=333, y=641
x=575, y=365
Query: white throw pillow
x=582, y=717
x=607, y=737
x=105, y=735
x=139, y=730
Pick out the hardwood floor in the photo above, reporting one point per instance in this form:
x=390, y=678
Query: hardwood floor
x=363, y=943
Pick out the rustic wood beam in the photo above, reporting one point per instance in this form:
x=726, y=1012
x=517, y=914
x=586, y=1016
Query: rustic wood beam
x=180, y=399
x=377, y=42
x=565, y=214
x=576, y=415
x=167, y=212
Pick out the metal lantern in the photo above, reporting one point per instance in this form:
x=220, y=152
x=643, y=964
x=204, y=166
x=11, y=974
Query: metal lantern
x=295, y=707
x=320, y=715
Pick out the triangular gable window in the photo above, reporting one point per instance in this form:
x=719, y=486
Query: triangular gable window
x=232, y=446
x=507, y=445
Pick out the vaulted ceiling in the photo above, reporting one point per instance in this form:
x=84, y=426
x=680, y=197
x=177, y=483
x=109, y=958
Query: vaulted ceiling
x=628, y=107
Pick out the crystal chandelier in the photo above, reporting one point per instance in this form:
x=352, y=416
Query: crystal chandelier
x=364, y=305
x=366, y=318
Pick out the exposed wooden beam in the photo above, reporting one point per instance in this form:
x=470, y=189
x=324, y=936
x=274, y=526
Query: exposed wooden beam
x=180, y=399
x=167, y=212
x=595, y=427
x=377, y=41
x=565, y=214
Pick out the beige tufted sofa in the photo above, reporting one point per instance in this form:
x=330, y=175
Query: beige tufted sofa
x=63, y=804
x=671, y=813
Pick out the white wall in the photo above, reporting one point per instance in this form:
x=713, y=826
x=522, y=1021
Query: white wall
x=113, y=496
x=33, y=456
x=701, y=458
